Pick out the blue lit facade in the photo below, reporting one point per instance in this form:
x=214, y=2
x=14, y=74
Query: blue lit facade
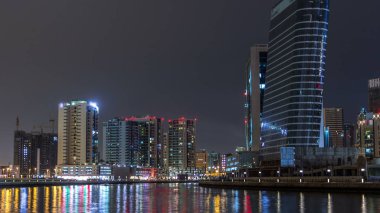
x=293, y=103
x=254, y=93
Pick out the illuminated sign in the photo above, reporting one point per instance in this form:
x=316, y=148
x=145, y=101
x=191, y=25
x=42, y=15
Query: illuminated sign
x=374, y=83
x=287, y=156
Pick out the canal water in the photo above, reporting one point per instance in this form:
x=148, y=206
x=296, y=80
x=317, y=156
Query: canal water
x=178, y=198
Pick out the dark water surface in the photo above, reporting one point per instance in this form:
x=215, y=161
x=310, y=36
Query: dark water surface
x=178, y=198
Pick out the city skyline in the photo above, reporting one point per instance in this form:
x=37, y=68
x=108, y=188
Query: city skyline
x=194, y=81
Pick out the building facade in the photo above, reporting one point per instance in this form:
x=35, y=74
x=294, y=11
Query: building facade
x=254, y=94
x=35, y=153
x=349, y=135
x=182, y=144
x=132, y=141
x=293, y=99
x=201, y=161
x=78, y=133
x=333, y=122
x=374, y=95
x=368, y=134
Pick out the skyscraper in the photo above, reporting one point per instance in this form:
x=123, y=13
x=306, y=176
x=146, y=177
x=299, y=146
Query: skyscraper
x=333, y=121
x=22, y=152
x=78, y=133
x=374, y=95
x=182, y=143
x=35, y=153
x=113, y=143
x=293, y=99
x=133, y=141
x=254, y=93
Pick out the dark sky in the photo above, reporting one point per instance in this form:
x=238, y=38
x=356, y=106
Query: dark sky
x=167, y=58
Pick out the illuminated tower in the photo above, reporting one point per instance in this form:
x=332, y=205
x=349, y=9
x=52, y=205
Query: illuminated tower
x=78, y=133
x=254, y=93
x=182, y=142
x=293, y=100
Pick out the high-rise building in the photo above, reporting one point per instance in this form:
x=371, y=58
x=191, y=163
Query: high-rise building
x=114, y=141
x=133, y=141
x=368, y=134
x=374, y=95
x=214, y=159
x=201, y=161
x=78, y=133
x=293, y=99
x=22, y=152
x=349, y=135
x=182, y=143
x=333, y=122
x=35, y=153
x=254, y=93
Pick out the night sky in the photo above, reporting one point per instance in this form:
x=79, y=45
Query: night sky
x=166, y=58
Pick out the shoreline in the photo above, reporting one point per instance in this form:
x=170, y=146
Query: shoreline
x=286, y=185
x=42, y=183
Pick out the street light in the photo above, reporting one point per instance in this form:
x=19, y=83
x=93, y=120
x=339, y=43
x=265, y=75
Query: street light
x=363, y=174
x=329, y=174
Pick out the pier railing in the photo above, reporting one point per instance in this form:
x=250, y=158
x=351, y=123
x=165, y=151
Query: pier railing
x=320, y=179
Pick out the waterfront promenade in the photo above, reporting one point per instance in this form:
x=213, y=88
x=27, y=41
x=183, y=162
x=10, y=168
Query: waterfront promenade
x=12, y=183
x=323, y=184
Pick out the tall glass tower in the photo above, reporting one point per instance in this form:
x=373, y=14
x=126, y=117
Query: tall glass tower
x=293, y=100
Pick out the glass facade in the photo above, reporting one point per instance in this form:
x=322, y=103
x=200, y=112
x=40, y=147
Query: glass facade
x=133, y=141
x=293, y=103
x=182, y=144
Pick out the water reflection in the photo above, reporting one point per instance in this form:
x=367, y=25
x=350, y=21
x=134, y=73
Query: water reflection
x=177, y=198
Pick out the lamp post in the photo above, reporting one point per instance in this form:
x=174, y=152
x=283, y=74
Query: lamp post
x=329, y=174
x=363, y=174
